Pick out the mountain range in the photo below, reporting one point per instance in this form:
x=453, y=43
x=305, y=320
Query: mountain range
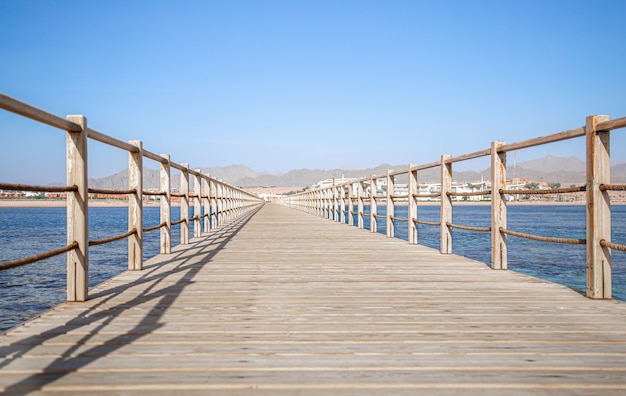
x=565, y=170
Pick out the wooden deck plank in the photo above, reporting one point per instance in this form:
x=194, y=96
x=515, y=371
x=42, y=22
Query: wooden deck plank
x=285, y=302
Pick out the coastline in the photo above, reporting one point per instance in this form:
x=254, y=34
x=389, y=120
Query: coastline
x=53, y=203
x=40, y=203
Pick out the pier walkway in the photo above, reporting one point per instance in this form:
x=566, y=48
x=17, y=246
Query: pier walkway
x=281, y=301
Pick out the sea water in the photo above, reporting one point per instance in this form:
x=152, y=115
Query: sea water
x=29, y=290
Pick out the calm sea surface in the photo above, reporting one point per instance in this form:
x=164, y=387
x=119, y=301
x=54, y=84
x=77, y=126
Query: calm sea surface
x=32, y=289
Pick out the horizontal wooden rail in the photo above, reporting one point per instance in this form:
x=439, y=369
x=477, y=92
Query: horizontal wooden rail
x=557, y=137
x=424, y=167
x=477, y=154
x=111, y=141
x=155, y=157
x=37, y=257
x=612, y=124
x=34, y=113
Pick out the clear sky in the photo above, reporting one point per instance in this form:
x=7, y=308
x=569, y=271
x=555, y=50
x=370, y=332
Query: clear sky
x=279, y=85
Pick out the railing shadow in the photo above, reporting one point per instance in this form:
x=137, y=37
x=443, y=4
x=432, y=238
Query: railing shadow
x=202, y=251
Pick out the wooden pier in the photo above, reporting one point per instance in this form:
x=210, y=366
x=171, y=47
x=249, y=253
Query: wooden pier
x=281, y=302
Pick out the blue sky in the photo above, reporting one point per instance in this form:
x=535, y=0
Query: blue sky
x=279, y=85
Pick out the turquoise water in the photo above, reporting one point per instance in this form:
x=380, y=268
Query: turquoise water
x=40, y=286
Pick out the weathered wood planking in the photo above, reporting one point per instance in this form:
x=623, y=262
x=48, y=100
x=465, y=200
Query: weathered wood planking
x=286, y=303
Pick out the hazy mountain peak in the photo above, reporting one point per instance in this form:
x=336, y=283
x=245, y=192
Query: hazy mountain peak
x=550, y=168
x=552, y=163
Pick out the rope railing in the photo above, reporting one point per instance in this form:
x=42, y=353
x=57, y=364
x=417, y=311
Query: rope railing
x=468, y=228
x=570, y=241
x=611, y=245
x=179, y=221
x=429, y=195
x=153, y=228
x=468, y=193
x=113, y=238
x=425, y=222
x=155, y=194
x=35, y=188
x=562, y=190
x=612, y=187
x=37, y=257
x=111, y=191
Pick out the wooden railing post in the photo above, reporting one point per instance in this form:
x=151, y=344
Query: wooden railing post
x=598, y=209
x=197, y=205
x=135, y=207
x=328, y=204
x=390, y=205
x=206, y=200
x=219, y=212
x=360, y=205
x=373, y=207
x=498, y=208
x=228, y=204
x=213, y=195
x=184, y=204
x=324, y=203
x=335, y=193
x=319, y=206
x=445, y=246
x=341, y=190
x=413, y=188
x=350, y=203
x=77, y=211
x=165, y=205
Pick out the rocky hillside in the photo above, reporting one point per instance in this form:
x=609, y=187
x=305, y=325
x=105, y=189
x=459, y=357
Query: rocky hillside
x=548, y=169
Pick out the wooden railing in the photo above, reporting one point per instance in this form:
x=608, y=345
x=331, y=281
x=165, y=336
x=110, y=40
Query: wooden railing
x=221, y=202
x=331, y=202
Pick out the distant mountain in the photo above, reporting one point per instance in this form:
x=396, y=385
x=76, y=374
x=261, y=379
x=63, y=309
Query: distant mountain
x=554, y=164
x=548, y=169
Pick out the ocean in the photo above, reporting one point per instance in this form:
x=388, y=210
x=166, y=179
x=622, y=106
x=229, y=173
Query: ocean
x=29, y=290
